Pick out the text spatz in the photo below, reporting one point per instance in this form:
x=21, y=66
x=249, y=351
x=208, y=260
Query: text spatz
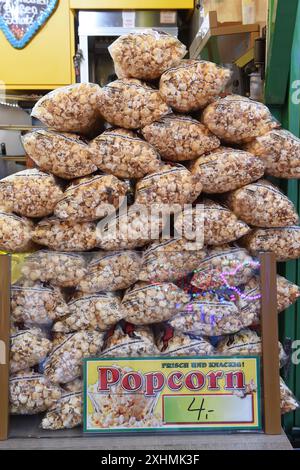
x=151, y=383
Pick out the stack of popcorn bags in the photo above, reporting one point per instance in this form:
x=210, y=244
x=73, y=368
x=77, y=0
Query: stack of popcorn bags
x=88, y=290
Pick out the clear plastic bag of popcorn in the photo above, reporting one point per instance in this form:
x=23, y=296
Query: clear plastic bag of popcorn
x=127, y=340
x=218, y=223
x=153, y=303
x=249, y=299
x=169, y=260
x=280, y=152
x=193, y=84
x=179, y=138
x=15, y=232
x=172, y=184
x=283, y=241
x=226, y=169
x=62, y=235
x=208, y=315
x=63, y=154
x=238, y=119
x=91, y=198
x=171, y=342
x=111, y=271
x=97, y=311
x=31, y=393
x=65, y=361
x=57, y=268
x=262, y=204
x=66, y=413
x=28, y=348
x=75, y=386
x=73, y=108
x=131, y=104
x=224, y=266
x=146, y=54
x=245, y=343
x=132, y=228
x=31, y=193
x=122, y=153
x=288, y=401
x=37, y=304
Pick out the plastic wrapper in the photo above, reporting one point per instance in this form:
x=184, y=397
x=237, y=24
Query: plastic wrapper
x=75, y=386
x=58, y=269
x=65, y=361
x=126, y=340
x=224, y=266
x=146, y=54
x=249, y=300
x=280, y=152
x=169, y=260
x=262, y=204
x=31, y=393
x=218, y=223
x=61, y=235
x=130, y=229
x=238, y=119
x=111, y=271
x=91, y=198
x=170, y=185
x=63, y=154
x=288, y=401
x=37, y=304
x=283, y=241
x=72, y=108
x=226, y=169
x=245, y=343
x=193, y=84
x=15, y=232
x=152, y=303
x=131, y=104
x=122, y=153
x=66, y=413
x=179, y=138
x=28, y=348
x=118, y=408
x=171, y=343
x=208, y=315
x=30, y=193
x=91, y=312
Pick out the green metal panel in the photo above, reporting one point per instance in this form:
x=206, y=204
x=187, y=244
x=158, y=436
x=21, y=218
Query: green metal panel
x=283, y=68
x=282, y=16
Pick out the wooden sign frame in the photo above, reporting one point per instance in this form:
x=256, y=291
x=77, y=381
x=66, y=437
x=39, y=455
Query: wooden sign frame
x=269, y=319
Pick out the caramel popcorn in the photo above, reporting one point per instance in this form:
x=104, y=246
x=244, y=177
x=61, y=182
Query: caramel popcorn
x=131, y=104
x=226, y=169
x=28, y=348
x=152, y=303
x=262, y=204
x=145, y=54
x=193, y=84
x=63, y=154
x=238, y=119
x=71, y=108
x=66, y=413
x=15, y=232
x=91, y=312
x=178, y=138
x=91, y=198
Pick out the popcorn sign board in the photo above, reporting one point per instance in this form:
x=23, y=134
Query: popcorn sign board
x=166, y=394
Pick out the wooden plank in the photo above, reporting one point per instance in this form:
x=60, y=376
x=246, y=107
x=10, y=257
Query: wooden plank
x=4, y=342
x=232, y=29
x=270, y=359
x=131, y=4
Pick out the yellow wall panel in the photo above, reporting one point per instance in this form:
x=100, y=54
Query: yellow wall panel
x=131, y=4
x=46, y=61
